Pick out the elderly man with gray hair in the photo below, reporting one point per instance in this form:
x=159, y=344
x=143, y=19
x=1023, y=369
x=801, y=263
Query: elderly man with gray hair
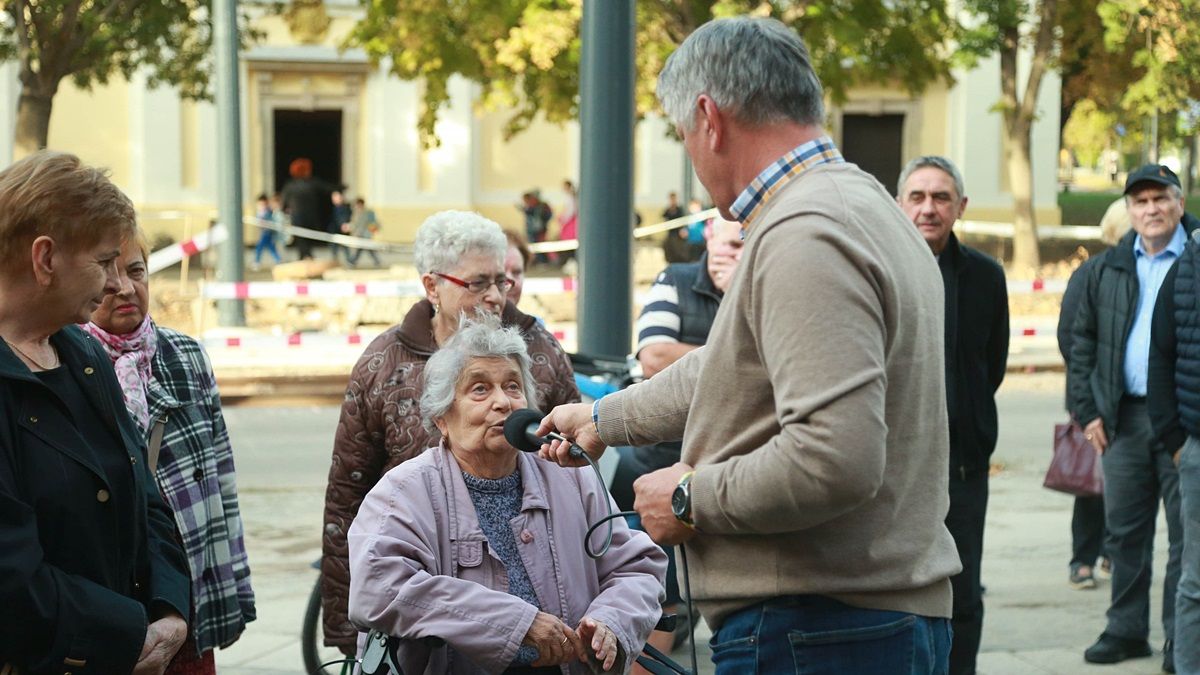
x=930, y=192
x=812, y=492
x=460, y=257
x=1107, y=384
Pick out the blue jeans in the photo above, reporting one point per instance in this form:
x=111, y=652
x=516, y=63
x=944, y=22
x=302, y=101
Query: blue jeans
x=1187, y=602
x=811, y=634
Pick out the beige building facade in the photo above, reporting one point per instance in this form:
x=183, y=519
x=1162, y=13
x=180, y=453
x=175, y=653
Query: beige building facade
x=303, y=96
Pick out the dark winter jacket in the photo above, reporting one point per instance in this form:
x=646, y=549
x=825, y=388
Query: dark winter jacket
x=84, y=562
x=1173, y=384
x=976, y=353
x=1095, y=372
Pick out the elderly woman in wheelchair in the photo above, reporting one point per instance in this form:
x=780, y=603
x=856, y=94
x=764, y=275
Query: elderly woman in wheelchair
x=482, y=546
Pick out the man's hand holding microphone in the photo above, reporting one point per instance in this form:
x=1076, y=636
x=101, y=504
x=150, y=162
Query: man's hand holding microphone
x=653, y=492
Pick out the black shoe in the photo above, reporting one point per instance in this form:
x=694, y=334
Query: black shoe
x=1113, y=649
x=1169, y=656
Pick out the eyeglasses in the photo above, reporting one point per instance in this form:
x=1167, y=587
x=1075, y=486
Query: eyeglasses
x=478, y=286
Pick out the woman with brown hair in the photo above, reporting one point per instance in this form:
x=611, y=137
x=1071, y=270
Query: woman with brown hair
x=91, y=578
x=170, y=390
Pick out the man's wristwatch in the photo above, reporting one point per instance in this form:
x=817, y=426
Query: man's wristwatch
x=681, y=500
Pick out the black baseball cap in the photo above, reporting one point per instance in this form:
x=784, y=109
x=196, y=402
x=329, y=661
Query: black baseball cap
x=1152, y=173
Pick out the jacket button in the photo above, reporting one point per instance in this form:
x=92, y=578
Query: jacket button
x=198, y=475
x=89, y=370
x=102, y=496
x=526, y=536
x=132, y=460
x=33, y=420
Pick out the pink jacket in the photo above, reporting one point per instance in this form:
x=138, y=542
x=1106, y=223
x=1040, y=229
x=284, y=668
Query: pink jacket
x=420, y=566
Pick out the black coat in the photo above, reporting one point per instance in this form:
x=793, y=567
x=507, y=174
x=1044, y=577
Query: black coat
x=1173, y=377
x=70, y=601
x=1107, y=308
x=976, y=353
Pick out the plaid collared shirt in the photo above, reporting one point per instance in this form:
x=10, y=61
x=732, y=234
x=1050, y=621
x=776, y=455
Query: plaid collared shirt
x=802, y=158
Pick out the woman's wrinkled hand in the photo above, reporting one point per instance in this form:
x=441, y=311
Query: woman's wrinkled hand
x=163, y=638
x=555, y=641
x=600, y=641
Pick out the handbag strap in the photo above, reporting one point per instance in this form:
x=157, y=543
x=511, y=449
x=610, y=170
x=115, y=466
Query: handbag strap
x=156, y=436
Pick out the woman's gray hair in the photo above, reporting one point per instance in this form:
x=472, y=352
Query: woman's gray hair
x=445, y=237
x=755, y=68
x=481, y=337
x=935, y=162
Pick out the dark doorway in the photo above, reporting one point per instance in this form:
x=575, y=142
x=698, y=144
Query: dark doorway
x=315, y=134
x=875, y=143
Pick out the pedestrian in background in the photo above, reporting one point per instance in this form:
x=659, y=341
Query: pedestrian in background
x=675, y=248
x=306, y=202
x=568, y=220
x=339, y=223
x=169, y=388
x=1110, y=349
x=265, y=215
x=364, y=225
x=537, y=219
x=91, y=576
x=517, y=258
x=1088, y=533
x=931, y=193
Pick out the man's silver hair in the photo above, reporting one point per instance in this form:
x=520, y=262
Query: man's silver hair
x=445, y=237
x=931, y=161
x=755, y=68
x=481, y=337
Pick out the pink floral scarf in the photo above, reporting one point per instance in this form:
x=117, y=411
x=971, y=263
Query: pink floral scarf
x=131, y=355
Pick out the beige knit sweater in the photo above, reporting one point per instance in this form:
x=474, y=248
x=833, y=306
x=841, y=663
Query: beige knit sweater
x=816, y=414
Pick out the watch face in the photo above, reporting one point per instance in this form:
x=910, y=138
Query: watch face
x=679, y=501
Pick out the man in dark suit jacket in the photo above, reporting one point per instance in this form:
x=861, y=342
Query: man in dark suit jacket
x=931, y=194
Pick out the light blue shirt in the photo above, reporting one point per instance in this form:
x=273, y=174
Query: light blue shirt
x=1151, y=270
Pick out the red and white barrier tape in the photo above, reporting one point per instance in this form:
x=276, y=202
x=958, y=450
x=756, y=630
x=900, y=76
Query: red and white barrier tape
x=165, y=257
x=223, y=290
x=323, y=340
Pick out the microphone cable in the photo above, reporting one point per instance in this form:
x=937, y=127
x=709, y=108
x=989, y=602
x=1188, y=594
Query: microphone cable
x=595, y=555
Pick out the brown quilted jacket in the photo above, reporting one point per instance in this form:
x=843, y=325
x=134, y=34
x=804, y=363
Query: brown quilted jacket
x=380, y=427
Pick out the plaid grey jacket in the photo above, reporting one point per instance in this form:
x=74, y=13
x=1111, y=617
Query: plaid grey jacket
x=196, y=477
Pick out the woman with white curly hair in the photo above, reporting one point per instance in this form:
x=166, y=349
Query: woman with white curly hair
x=460, y=257
x=483, y=546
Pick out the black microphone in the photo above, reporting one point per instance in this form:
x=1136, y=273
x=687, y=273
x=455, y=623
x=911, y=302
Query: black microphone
x=520, y=430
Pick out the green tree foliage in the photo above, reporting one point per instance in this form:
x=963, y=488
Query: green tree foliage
x=1090, y=69
x=1166, y=37
x=91, y=41
x=524, y=54
x=1089, y=131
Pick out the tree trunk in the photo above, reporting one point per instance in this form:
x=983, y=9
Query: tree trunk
x=1026, y=257
x=33, y=122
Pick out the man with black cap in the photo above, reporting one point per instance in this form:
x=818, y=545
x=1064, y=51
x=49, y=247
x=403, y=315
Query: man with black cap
x=1107, y=386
